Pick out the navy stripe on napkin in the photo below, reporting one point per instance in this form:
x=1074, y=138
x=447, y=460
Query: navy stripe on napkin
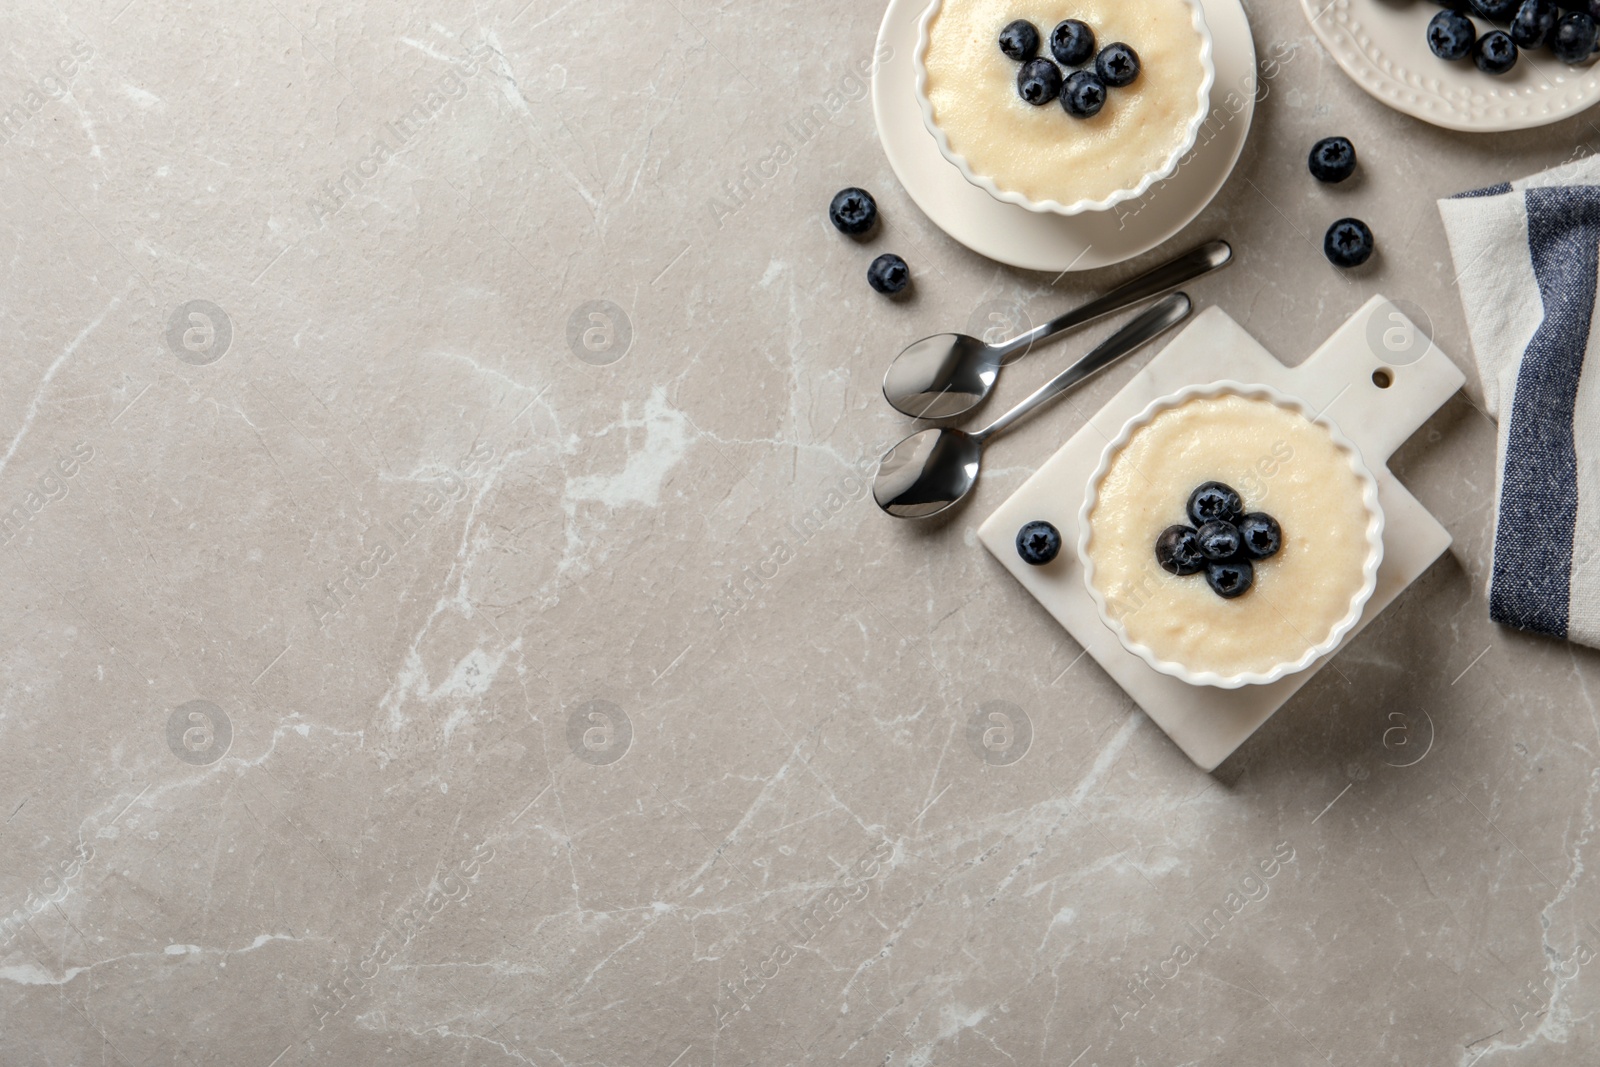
x=1531, y=588
x=1494, y=190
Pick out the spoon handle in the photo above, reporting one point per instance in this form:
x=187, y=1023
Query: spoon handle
x=1210, y=256
x=1147, y=327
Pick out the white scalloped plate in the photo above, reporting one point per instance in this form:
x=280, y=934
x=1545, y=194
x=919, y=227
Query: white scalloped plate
x=1382, y=46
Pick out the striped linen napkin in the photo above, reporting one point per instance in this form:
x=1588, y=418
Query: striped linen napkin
x=1526, y=256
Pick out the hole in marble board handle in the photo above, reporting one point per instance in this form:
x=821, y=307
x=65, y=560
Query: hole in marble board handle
x=1383, y=377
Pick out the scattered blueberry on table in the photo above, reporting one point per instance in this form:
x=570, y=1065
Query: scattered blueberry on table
x=1333, y=159
x=853, y=211
x=1072, y=43
x=889, y=274
x=1349, y=243
x=1225, y=542
x=1020, y=40
x=1038, y=543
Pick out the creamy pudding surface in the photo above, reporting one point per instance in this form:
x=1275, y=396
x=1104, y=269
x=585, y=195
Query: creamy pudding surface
x=1042, y=152
x=1279, y=462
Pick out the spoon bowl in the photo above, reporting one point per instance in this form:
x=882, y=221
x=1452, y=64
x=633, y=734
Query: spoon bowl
x=942, y=376
x=928, y=472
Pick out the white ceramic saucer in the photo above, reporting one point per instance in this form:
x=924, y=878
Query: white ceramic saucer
x=1055, y=243
x=1382, y=46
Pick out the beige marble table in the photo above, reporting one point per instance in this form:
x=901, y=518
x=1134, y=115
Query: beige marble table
x=447, y=624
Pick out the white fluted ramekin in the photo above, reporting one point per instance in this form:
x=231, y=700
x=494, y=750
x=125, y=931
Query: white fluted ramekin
x=988, y=184
x=1369, y=570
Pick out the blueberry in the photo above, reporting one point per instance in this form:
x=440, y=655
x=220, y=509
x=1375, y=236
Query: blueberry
x=1349, y=243
x=1083, y=95
x=1495, y=53
x=1498, y=10
x=853, y=211
x=889, y=274
x=1232, y=579
x=1072, y=43
x=1214, y=500
x=1260, y=535
x=1333, y=159
x=1534, y=23
x=1178, y=552
x=1451, y=34
x=1218, y=540
x=1039, y=81
x=1117, y=65
x=1020, y=40
x=1575, y=36
x=1038, y=543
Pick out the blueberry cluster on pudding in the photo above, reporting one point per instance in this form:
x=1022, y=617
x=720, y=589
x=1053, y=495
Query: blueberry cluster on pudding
x=1081, y=92
x=1225, y=542
x=1274, y=550
x=1067, y=101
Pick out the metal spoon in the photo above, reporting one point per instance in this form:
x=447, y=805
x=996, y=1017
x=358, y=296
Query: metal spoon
x=951, y=373
x=935, y=468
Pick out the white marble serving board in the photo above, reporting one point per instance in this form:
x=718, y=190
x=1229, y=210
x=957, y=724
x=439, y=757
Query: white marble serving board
x=1209, y=723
